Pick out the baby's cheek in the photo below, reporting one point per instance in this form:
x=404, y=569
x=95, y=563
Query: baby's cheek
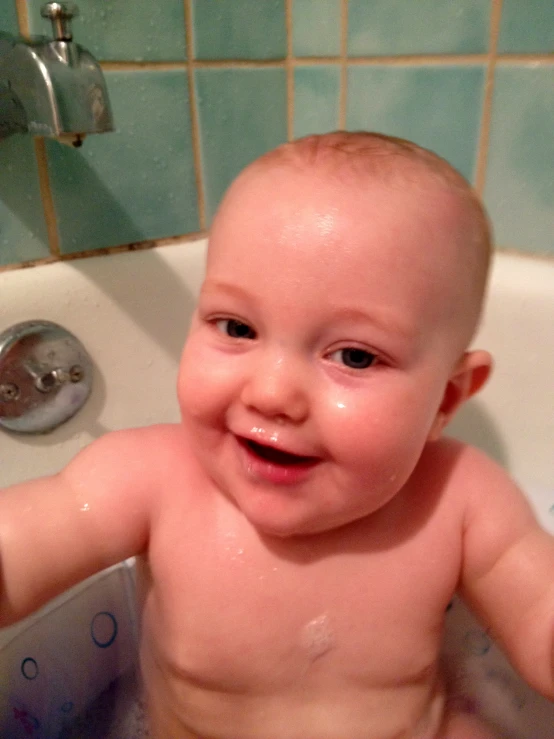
x=204, y=385
x=355, y=418
x=375, y=432
x=192, y=387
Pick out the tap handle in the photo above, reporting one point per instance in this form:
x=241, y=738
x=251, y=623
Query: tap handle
x=60, y=14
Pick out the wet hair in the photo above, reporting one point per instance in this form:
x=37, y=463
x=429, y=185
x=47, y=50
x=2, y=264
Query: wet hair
x=402, y=165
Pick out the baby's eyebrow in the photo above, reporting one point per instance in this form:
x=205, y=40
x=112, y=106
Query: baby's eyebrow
x=212, y=286
x=381, y=320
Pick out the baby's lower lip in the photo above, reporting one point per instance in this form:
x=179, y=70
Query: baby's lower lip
x=274, y=466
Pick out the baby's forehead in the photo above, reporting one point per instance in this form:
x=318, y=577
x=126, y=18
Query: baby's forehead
x=285, y=173
x=428, y=196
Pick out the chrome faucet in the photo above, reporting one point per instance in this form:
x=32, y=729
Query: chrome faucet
x=52, y=87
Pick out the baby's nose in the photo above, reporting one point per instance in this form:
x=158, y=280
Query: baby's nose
x=276, y=388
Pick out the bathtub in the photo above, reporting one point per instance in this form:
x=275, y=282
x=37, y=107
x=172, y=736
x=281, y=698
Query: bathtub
x=131, y=312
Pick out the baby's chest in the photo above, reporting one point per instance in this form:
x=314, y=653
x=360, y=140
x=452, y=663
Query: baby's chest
x=234, y=614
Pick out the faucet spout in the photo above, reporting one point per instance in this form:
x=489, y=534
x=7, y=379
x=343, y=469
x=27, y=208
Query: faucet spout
x=53, y=87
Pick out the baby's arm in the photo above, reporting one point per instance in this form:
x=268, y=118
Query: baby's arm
x=508, y=571
x=58, y=530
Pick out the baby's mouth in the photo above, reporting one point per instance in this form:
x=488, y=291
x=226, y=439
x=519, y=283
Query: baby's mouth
x=275, y=456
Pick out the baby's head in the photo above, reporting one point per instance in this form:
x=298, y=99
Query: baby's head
x=386, y=175
x=344, y=282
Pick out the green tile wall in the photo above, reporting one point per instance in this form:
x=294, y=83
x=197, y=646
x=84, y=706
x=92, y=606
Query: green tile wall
x=527, y=26
x=22, y=226
x=316, y=99
x=213, y=83
x=438, y=106
x=519, y=191
x=382, y=27
x=8, y=16
x=316, y=27
x=233, y=135
x=248, y=29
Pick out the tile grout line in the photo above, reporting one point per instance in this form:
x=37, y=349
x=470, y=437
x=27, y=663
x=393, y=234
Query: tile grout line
x=343, y=85
x=46, y=197
x=289, y=70
x=535, y=59
x=392, y=61
x=484, y=134
x=194, y=122
x=416, y=60
x=106, y=251
x=22, y=17
x=116, y=65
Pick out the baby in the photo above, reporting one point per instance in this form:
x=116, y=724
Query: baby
x=300, y=533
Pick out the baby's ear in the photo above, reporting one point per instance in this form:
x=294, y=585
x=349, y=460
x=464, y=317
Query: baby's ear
x=468, y=377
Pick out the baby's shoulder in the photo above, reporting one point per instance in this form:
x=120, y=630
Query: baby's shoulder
x=136, y=455
x=461, y=470
x=468, y=478
x=158, y=438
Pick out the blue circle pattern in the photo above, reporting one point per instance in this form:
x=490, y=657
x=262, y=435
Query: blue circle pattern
x=29, y=668
x=103, y=619
x=97, y=623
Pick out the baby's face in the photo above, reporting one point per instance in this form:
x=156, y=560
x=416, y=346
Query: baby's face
x=321, y=347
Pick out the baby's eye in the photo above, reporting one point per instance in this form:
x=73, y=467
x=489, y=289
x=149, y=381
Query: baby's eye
x=354, y=358
x=235, y=329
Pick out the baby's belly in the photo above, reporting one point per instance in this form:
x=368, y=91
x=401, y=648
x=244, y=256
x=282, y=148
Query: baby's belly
x=181, y=707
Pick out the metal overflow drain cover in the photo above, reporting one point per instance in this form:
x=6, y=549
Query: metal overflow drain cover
x=45, y=377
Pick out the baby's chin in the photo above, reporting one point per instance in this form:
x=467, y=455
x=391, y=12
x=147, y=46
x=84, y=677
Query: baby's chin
x=298, y=526
x=284, y=525
x=288, y=531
